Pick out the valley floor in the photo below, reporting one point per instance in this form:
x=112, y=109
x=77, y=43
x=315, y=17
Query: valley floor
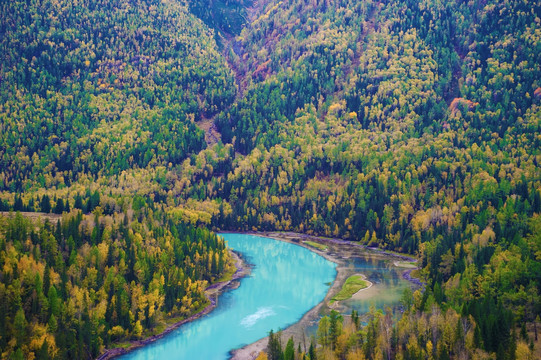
x=334, y=250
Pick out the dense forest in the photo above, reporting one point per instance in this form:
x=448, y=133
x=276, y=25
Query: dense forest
x=406, y=125
x=72, y=288
x=98, y=87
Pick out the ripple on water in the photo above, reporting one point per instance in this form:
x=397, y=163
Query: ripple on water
x=260, y=314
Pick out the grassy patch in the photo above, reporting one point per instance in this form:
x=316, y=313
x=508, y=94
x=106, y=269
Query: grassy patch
x=316, y=245
x=351, y=286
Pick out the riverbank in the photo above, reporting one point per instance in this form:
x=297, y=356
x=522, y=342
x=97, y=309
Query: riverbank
x=212, y=293
x=334, y=250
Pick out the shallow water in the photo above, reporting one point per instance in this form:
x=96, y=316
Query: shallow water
x=387, y=288
x=287, y=280
x=388, y=284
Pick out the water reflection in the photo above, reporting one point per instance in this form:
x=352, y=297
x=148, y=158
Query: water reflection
x=388, y=284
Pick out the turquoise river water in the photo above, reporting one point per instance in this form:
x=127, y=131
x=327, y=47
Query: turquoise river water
x=287, y=280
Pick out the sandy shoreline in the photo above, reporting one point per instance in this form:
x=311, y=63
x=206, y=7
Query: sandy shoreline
x=337, y=251
x=212, y=293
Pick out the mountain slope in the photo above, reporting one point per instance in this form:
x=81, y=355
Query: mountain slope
x=98, y=87
x=412, y=126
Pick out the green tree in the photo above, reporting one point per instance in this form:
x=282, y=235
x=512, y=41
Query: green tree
x=274, y=348
x=335, y=327
x=43, y=353
x=54, y=301
x=20, y=327
x=312, y=351
x=45, y=204
x=52, y=324
x=323, y=331
x=289, y=352
x=18, y=354
x=59, y=207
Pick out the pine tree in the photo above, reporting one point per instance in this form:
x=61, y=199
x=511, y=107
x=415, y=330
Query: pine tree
x=274, y=349
x=289, y=353
x=18, y=355
x=335, y=327
x=355, y=318
x=43, y=353
x=45, y=204
x=59, y=207
x=20, y=327
x=312, y=351
x=54, y=301
x=78, y=202
x=18, y=204
x=52, y=324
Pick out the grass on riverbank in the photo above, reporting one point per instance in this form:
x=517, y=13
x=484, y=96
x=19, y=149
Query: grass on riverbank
x=316, y=245
x=353, y=284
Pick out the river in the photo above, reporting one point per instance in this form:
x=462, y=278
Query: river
x=287, y=280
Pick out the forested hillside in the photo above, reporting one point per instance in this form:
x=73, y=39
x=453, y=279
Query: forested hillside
x=93, y=88
x=69, y=289
x=411, y=126
x=89, y=89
